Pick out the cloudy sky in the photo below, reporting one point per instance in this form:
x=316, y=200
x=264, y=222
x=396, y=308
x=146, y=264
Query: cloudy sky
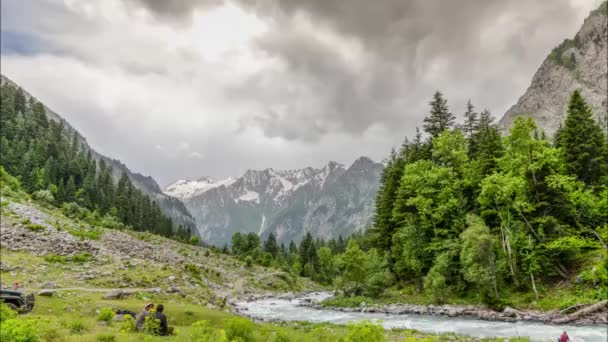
x=183, y=89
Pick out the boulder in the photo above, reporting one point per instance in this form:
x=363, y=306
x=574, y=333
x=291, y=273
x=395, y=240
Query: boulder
x=46, y=292
x=117, y=294
x=48, y=285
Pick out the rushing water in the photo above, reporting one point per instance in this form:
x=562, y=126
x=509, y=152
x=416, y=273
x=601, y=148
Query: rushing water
x=289, y=310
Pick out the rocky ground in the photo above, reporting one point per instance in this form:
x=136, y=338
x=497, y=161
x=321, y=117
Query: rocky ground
x=36, y=242
x=599, y=315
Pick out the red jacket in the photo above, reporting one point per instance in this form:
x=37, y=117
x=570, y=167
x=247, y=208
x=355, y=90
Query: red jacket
x=564, y=338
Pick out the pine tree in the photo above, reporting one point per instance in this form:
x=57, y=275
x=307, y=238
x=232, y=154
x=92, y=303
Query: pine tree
x=583, y=143
x=70, y=190
x=485, y=145
x=384, y=225
x=440, y=117
x=271, y=246
x=471, y=121
x=19, y=101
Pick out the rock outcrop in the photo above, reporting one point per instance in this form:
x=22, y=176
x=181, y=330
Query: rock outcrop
x=579, y=63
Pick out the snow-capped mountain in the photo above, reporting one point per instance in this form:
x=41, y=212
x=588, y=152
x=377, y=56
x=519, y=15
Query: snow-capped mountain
x=328, y=202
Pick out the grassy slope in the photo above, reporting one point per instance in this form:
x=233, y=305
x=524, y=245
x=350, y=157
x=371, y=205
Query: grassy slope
x=201, y=301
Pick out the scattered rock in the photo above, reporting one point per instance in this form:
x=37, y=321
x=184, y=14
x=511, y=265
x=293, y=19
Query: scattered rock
x=48, y=285
x=117, y=294
x=46, y=292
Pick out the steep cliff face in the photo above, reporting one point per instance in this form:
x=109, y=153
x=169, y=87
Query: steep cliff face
x=579, y=63
x=326, y=202
x=171, y=206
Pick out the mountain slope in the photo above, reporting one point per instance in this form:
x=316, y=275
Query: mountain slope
x=326, y=202
x=579, y=63
x=170, y=206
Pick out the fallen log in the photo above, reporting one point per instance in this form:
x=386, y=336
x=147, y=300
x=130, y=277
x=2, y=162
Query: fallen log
x=600, y=306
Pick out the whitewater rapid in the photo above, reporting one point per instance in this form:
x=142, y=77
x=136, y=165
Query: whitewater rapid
x=280, y=309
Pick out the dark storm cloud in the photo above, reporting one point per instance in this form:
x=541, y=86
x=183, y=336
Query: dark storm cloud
x=286, y=84
x=175, y=9
x=411, y=48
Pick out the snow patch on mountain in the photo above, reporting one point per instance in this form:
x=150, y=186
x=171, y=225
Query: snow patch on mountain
x=250, y=196
x=183, y=189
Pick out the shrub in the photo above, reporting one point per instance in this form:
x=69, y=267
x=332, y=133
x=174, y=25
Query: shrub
x=73, y=210
x=35, y=227
x=77, y=327
x=105, y=314
x=194, y=240
x=238, y=328
x=128, y=325
x=151, y=325
x=202, y=332
x=365, y=331
x=81, y=257
x=44, y=196
x=93, y=233
x=9, y=181
x=20, y=330
x=249, y=261
x=6, y=312
x=105, y=338
x=54, y=258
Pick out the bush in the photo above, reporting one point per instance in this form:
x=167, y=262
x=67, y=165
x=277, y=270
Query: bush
x=73, y=210
x=105, y=314
x=6, y=312
x=202, y=332
x=365, y=331
x=93, y=233
x=128, y=325
x=194, y=240
x=8, y=181
x=151, y=325
x=105, y=338
x=82, y=257
x=238, y=328
x=54, y=258
x=249, y=261
x=20, y=330
x=77, y=327
x=35, y=227
x=44, y=196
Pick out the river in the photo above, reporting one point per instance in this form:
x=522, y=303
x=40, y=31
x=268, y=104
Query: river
x=290, y=310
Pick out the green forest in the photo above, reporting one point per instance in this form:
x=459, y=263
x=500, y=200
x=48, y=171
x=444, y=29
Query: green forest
x=463, y=212
x=54, y=166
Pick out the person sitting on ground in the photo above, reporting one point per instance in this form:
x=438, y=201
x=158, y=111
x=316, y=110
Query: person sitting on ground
x=163, y=329
x=141, y=319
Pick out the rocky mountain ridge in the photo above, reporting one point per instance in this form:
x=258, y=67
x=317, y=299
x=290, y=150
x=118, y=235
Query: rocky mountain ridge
x=579, y=63
x=327, y=202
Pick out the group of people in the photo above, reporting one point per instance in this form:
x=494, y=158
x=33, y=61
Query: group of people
x=158, y=314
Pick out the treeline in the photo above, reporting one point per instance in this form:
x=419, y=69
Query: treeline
x=465, y=210
x=52, y=164
x=339, y=262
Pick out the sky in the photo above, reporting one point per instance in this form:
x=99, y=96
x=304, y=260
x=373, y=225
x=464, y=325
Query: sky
x=184, y=89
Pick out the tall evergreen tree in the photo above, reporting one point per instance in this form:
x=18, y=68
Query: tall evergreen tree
x=583, y=142
x=384, y=225
x=471, y=121
x=440, y=118
x=271, y=246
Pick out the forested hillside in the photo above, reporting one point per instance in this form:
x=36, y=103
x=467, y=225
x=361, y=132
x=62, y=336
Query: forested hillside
x=465, y=209
x=52, y=163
